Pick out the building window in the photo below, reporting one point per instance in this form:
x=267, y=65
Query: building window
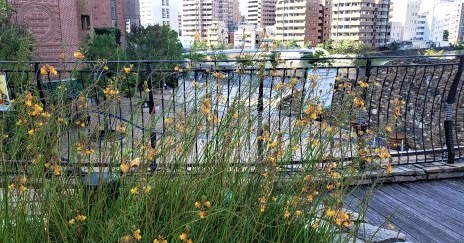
x=85, y=22
x=165, y=2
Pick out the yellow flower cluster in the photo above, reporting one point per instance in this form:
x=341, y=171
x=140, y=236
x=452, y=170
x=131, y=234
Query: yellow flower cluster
x=204, y=205
x=22, y=185
x=184, y=236
x=160, y=239
x=111, y=92
x=126, y=166
x=79, y=218
x=339, y=217
x=136, y=235
x=313, y=111
x=78, y=55
x=48, y=69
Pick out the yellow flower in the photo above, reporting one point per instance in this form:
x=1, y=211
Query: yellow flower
x=121, y=129
x=388, y=129
x=124, y=167
x=146, y=188
x=135, y=162
x=330, y=213
x=168, y=121
x=183, y=236
x=384, y=153
x=298, y=213
x=235, y=115
x=22, y=188
x=52, y=70
x=134, y=191
x=197, y=204
x=128, y=69
x=358, y=102
x=316, y=224
x=81, y=218
x=11, y=187
x=207, y=204
x=56, y=170
x=390, y=226
x=287, y=214
x=72, y=221
x=44, y=70
x=137, y=235
x=202, y=214
x=189, y=241
x=78, y=55
x=389, y=168
x=23, y=180
x=125, y=239
x=31, y=132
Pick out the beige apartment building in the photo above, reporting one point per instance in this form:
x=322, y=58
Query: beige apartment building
x=261, y=13
x=305, y=21
x=361, y=20
x=202, y=16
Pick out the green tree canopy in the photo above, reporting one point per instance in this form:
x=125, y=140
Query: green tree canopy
x=15, y=42
x=154, y=43
x=103, y=46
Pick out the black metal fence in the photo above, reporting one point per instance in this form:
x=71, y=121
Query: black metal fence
x=428, y=127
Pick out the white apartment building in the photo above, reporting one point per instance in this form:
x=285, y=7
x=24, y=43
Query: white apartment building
x=162, y=12
x=404, y=13
x=234, y=12
x=252, y=37
x=361, y=20
x=261, y=13
x=305, y=21
x=218, y=33
x=452, y=14
x=200, y=15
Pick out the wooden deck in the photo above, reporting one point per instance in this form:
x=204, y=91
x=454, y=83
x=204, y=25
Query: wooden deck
x=428, y=211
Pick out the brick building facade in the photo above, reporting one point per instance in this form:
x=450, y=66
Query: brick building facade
x=60, y=26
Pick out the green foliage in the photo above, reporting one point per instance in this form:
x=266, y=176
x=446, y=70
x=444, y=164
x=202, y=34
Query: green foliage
x=430, y=52
x=292, y=44
x=350, y=47
x=315, y=56
x=327, y=45
x=15, y=42
x=116, y=32
x=394, y=46
x=103, y=46
x=153, y=43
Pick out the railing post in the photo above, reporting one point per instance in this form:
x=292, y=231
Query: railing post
x=260, y=114
x=450, y=110
x=39, y=84
x=150, y=101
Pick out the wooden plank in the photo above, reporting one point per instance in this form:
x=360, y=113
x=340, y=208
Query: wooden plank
x=422, y=206
x=411, y=221
x=455, y=184
x=442, y=195
x=404, y=225
x=370, y=215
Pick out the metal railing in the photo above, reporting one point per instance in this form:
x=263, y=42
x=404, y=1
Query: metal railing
x=429, y=127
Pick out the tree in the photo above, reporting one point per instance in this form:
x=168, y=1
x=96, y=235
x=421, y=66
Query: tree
x=156, y=43
x=15, y=42
x=103, y=46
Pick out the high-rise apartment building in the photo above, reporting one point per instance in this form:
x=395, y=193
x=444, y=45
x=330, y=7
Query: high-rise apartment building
x=234, y=12
x=162, y=12
x=453, y=18
x=361, y=20
x=131, y=13
x=404, y=14
x=261, y=13
x=305, y=21
x=200, y=15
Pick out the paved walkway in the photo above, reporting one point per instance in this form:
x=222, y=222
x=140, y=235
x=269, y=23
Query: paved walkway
x=426, y=211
